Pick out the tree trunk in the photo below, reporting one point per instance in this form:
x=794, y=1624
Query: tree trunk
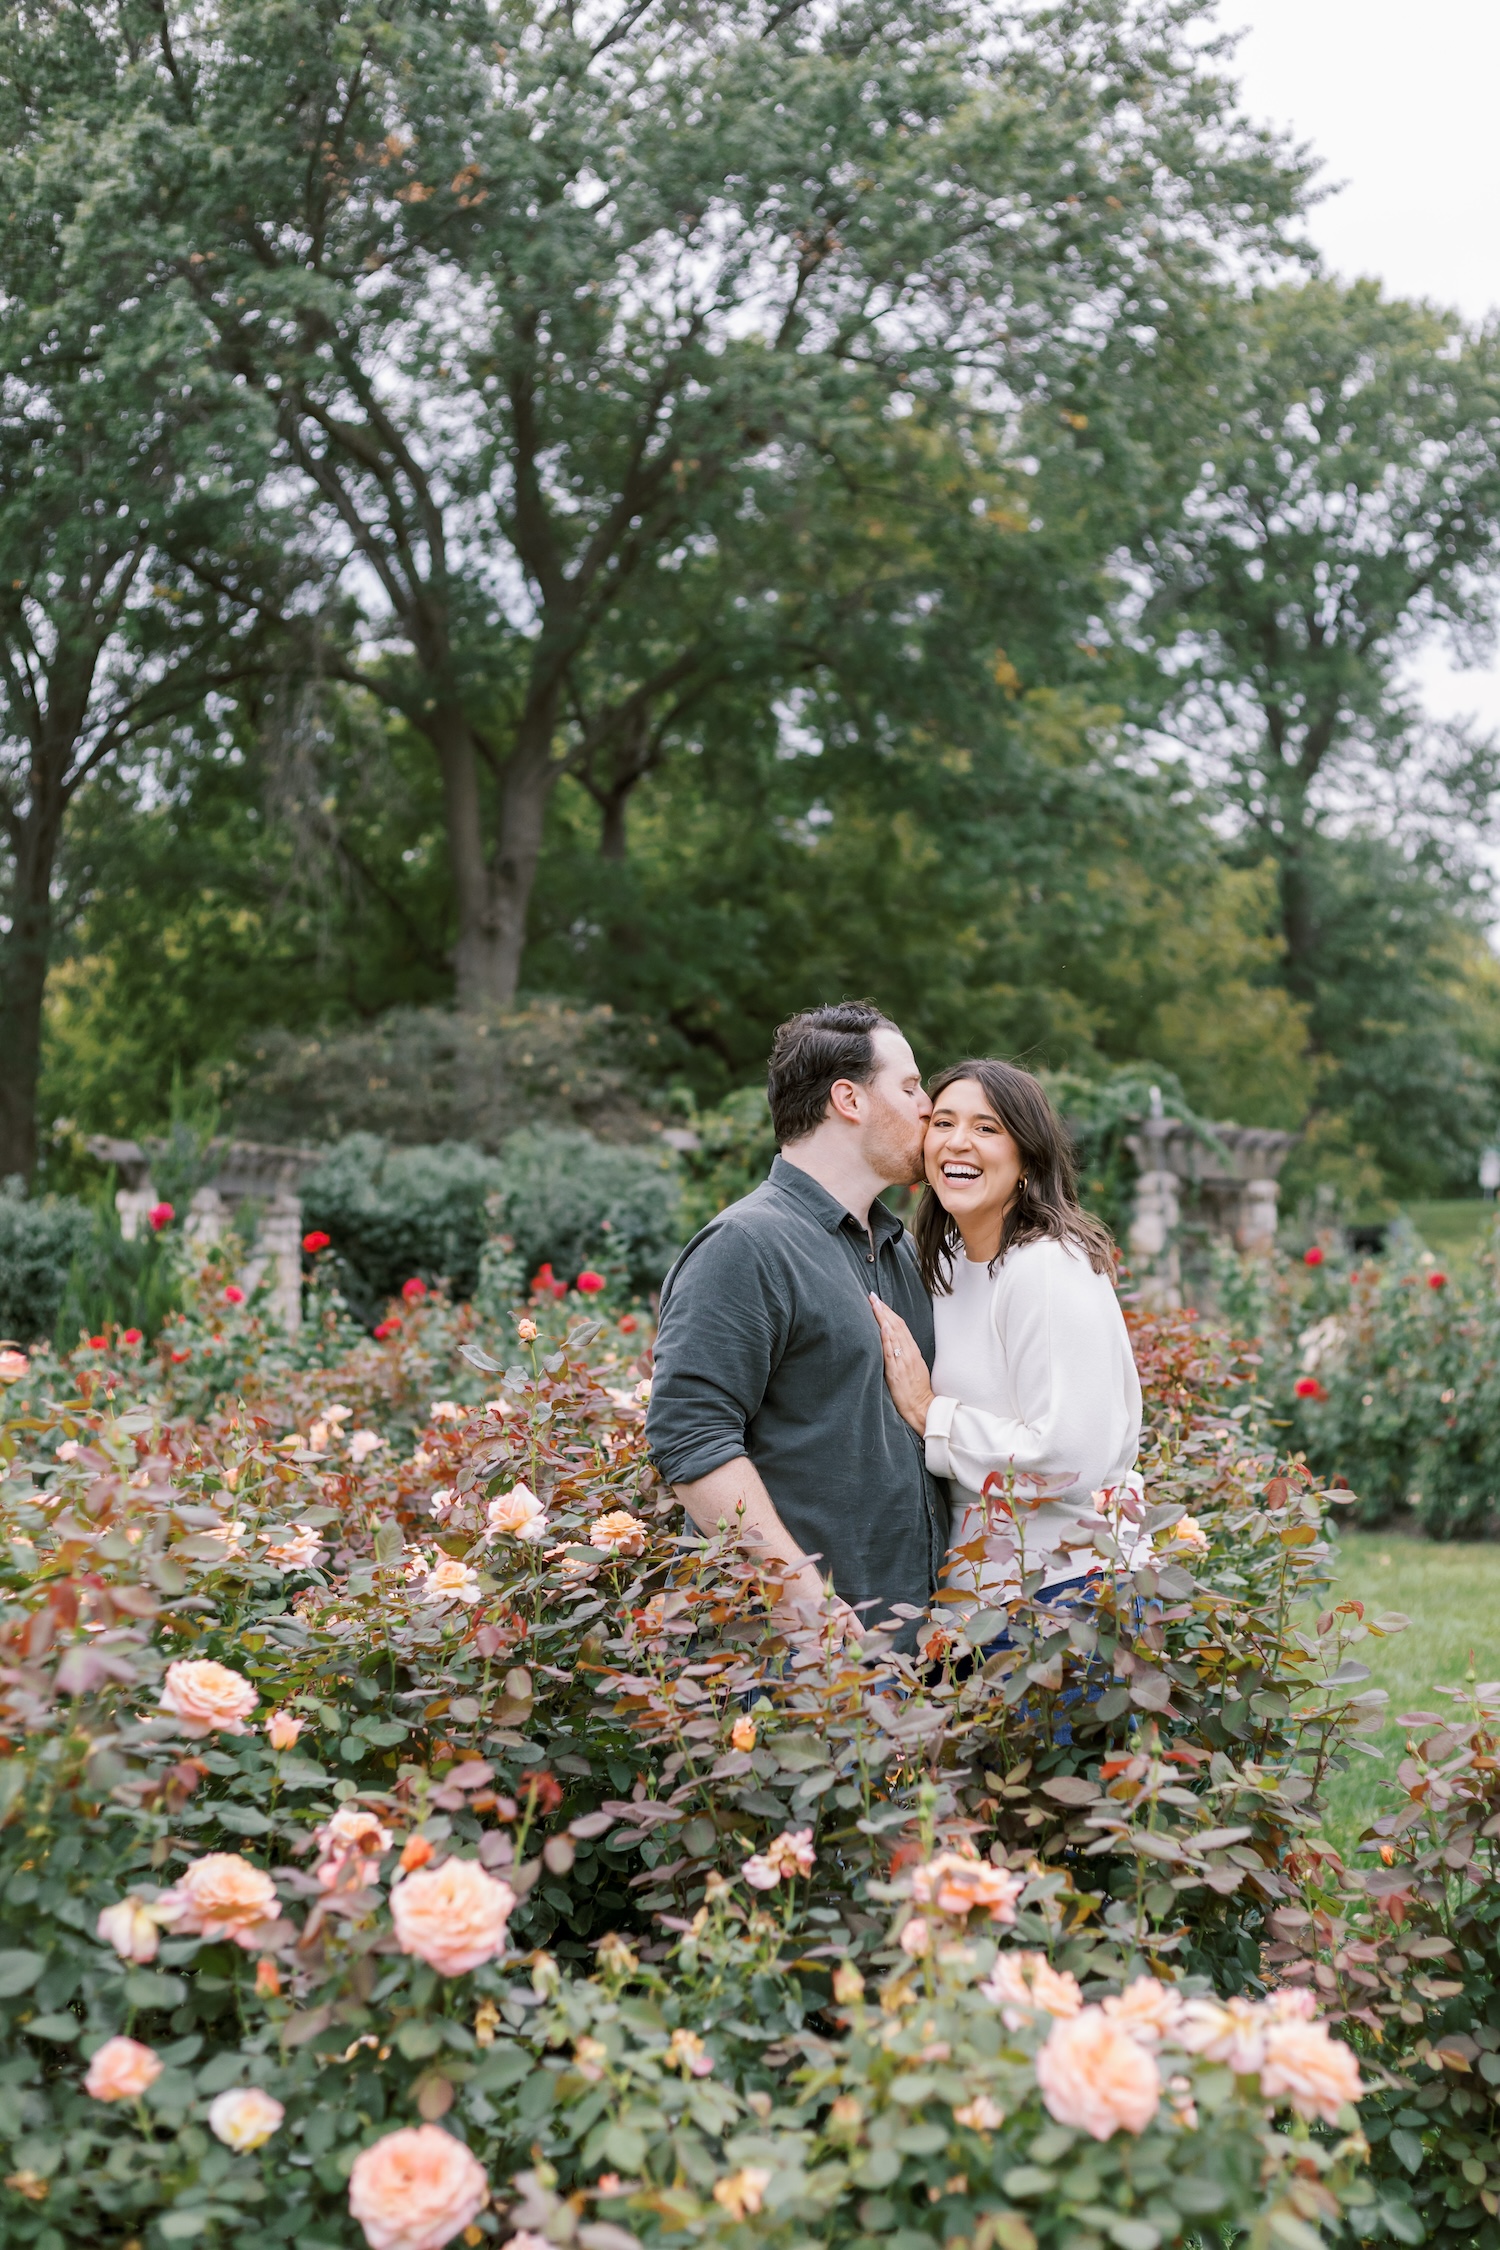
x=23, y=974
x=612, y=839
x=492, y=895
x=1299, y=916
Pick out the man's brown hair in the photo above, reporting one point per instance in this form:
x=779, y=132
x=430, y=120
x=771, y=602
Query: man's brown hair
x=811, y=1051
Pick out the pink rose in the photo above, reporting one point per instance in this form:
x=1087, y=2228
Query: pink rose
x=955, y=1884
x=208, y=1698
x=453, y=1916
x=299, y=1550
x=416, y=2189
x=243, y=2117
x=351, y=1844
x=222, y=1896
x=1021, y=1983
x=1147, y=2009
x=1095, y=2077
x=1226, y=2031
x=1303, y=2065
x=282, y=1730
x=121, y=2071
x=450, y=1580
x=517, y=1514
x=13, y=1365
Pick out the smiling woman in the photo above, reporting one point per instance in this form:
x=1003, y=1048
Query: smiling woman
x=1032, y=1410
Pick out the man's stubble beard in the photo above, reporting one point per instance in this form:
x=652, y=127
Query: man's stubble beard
x=894, y=1147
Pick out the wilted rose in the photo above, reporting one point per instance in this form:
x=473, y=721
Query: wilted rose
x=742, y=2193
x=687, y=2053
x=350, y=1846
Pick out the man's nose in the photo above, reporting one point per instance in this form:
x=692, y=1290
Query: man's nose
x=924, y=1105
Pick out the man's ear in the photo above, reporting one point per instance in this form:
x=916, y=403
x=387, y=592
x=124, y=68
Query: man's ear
x=844, y=1100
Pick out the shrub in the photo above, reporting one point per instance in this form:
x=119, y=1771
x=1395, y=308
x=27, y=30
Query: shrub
x=1398, y=1364
x=38, y=1244
x=699, y=2005
x=419, y=1075
x=557, y=1196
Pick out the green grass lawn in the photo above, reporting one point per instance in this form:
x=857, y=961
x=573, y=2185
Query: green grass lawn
x=1454, y=1230
x=1451, y=1593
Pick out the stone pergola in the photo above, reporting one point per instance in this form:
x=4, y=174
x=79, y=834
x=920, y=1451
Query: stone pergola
x=1228, y=1179
x=247, y=1180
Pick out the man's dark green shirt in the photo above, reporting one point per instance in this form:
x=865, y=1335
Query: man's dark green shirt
x=768, y=1347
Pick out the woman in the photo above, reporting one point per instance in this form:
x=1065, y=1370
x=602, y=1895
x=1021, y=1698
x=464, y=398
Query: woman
x=1033, y=1386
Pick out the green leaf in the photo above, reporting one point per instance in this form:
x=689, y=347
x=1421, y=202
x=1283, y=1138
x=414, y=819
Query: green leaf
x=19, y=1971
x=1401, y=2221
x=878, y=2169
x=1024, y=2180
x=147, y=1988
x=301, y=1773
x=417, y=2040
x=1134, y=2234
x=1408, y=2147
x=64, y=2027
x=625, y=2148
x=241, y=1820
x=181, y=2226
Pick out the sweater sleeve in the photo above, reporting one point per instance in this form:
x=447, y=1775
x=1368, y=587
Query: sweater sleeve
x=718, y=1341
x=1054, y=1319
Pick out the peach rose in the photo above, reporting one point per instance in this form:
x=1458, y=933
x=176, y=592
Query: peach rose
x=222, y=1896
x=362, y=1444
x=282, y=1730
x=121, y=2071
x=742, y=1734
x=916, y=1938
x=1095, y=2077
x=1188, y=1532
x=416, y=2189
x=131, y=1928
x=1303, y=2065
x=982, y=2115
x=207, y=1698
x=517, y=1514
x=742, y=2193
x=1147, y=2009
x=350, y=1846
x=450, y=1580
x=1020, y=1983
x=1226, y=2031
x=298, y=1550
x=687, y=2053
x=785, y=1858
x=955, y=1884
x=243, y=2117
x=13, y=1365
x=619, y=1530
x=453, y=1916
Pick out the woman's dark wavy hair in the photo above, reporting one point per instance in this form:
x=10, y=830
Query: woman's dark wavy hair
x=1046, y=1207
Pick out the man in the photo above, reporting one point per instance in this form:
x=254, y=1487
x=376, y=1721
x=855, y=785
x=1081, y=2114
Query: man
x=769, y=1392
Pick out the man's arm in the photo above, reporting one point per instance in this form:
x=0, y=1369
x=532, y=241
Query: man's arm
x=736, y=1495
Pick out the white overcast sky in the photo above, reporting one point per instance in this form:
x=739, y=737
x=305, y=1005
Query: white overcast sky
x=1398, y=99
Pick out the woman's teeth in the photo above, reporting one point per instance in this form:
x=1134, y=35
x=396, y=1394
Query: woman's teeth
x=960, y=1171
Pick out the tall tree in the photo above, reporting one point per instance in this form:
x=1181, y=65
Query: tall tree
x=1347, y=510
x=129, y=587
x=557, y=306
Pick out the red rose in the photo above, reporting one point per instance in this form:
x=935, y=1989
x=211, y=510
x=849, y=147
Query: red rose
x=387, y=1328
x=98, y=1343
x=629, y=1325
x=179, y=1357
x=1437, y=1281
x=1312, y=1257
x=590, y=1283
x=314, y=1242
x=413, y=1291
x=544, y=1790
x=161, y=1215
x=1308, y=1386
x=131, y=1336
x=234, y=1294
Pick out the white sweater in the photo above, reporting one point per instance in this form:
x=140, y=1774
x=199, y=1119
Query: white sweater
x=1033, y=1373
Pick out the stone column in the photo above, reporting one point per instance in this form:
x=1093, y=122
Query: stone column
x=134, y=1206
x=1256, y=1232
x=1154, y=1221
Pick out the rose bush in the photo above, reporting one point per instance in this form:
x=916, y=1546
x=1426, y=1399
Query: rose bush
x=518, y=1869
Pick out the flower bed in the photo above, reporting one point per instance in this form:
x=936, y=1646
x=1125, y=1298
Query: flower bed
x=412, y=1835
